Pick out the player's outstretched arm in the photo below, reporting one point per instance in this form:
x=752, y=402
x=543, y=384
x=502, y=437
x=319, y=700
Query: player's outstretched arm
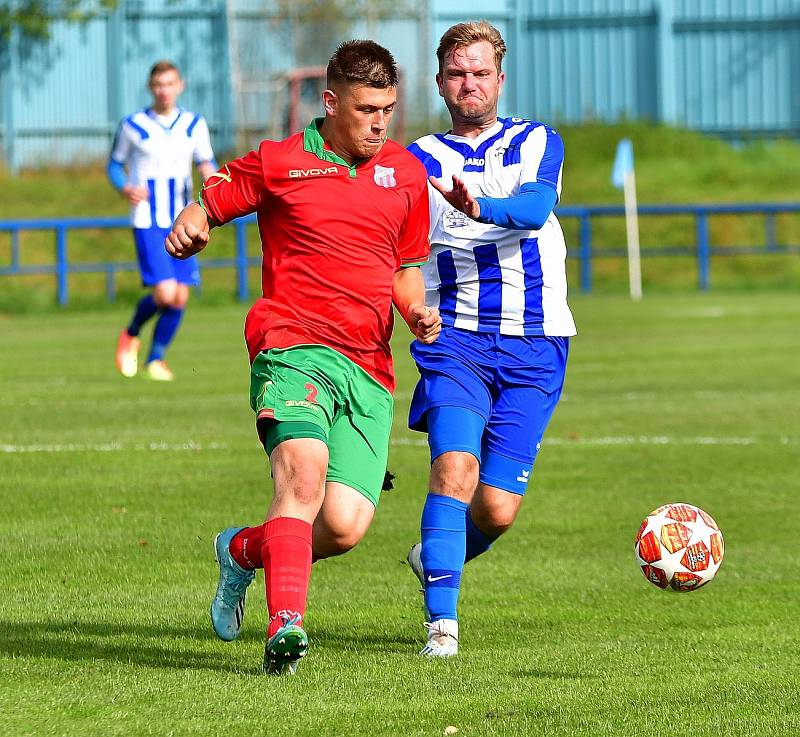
x=459, y=197
x=528, y=210
x=189, y=234
x=408, y=294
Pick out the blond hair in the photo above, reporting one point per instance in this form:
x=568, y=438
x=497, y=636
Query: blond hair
x=466, y=34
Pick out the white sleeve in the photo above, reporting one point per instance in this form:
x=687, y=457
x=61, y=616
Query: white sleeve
x=123, y=143
x=202, y=142
x=542, y=154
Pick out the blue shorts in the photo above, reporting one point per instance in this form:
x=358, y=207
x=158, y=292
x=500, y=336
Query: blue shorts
x=156, y=265
x=490, y=395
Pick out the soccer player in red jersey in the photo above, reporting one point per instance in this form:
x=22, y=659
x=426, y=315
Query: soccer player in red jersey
x=343, y=218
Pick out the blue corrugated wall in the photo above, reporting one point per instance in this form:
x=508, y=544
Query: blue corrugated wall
x=728, y=67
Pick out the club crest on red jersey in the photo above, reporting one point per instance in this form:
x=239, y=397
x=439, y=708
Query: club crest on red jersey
x=384, y=176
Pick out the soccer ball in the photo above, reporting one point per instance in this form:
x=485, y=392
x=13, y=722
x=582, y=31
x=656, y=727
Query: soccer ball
x=680, y=547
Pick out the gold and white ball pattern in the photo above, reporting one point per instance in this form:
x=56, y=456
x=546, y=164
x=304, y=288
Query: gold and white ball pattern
x=679, y=547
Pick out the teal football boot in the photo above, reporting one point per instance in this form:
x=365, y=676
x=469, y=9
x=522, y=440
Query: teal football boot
x=227, y=608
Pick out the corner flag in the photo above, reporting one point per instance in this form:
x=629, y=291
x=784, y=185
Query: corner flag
x=623, y=163
x=622, y=175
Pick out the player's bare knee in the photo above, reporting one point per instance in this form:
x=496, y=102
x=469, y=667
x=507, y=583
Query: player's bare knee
x=298, y=478
x=164, y=293
x=181, y=297
x=494, y=516
x=304, y=485
x=330, y=541
x=455, y=474
x=340, y=543
x=493, y=522
x=346, y=531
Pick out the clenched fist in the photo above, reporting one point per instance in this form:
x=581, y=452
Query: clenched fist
x=425, y=322
x=189, y=234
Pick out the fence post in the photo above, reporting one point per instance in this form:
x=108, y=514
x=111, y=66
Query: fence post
x=111, y=284
x=15, y=248
x=703, y=250
x=241, y=262
x=61, y=265
x=586, y=252
x=771, y=231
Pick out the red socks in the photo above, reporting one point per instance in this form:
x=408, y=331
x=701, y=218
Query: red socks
x=286, y=556
x=245, y=547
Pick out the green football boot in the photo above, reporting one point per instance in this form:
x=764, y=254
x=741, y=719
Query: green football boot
x=285, y=648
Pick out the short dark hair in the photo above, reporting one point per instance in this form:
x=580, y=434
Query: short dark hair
x=162, y=66
x=362, y=62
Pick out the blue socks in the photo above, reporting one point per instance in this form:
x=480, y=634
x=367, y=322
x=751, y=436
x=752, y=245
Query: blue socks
x=164, y=332
x=449, y=540
x=443, y=550
x=146, y=308
x=477, y=542
x=165, y=329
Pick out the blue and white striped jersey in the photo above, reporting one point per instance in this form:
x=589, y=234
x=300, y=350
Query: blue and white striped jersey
x=159, y=153
x=481, y=276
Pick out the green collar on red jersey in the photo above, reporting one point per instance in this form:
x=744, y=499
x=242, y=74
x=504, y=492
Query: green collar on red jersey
x=315, y=144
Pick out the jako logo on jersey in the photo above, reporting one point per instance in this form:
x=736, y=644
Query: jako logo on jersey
x=384, y=176
x=472, y=161
x=298, y=173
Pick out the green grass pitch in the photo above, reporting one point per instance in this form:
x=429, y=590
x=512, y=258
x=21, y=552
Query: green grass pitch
x=112, y=490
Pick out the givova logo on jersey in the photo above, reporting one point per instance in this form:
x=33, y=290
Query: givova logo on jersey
x=384, y=176
x=302, y=173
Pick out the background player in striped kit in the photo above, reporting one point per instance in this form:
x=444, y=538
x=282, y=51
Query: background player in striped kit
x=158, y=146
x=489, y=385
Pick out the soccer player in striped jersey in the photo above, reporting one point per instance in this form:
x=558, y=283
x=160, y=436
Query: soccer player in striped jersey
x=158, y=146
x=489, y=385
x=343, y=218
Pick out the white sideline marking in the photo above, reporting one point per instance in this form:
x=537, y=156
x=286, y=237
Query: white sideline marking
x=640, y=396
x=407, y=441
x=140, y=401
x=636, y=440
x=106, y=447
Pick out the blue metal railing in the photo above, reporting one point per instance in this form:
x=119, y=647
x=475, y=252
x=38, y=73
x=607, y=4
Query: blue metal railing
x=702, y=248
x=241, y=262
x=62, y=267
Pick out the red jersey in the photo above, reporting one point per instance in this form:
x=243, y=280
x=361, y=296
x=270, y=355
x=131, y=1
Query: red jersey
x=332, y=238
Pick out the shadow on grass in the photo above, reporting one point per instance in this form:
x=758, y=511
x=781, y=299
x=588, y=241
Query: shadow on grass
x=167, y=647
x=146, y=645
x=349, y=641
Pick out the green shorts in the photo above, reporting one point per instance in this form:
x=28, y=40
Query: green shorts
x=312, y=391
